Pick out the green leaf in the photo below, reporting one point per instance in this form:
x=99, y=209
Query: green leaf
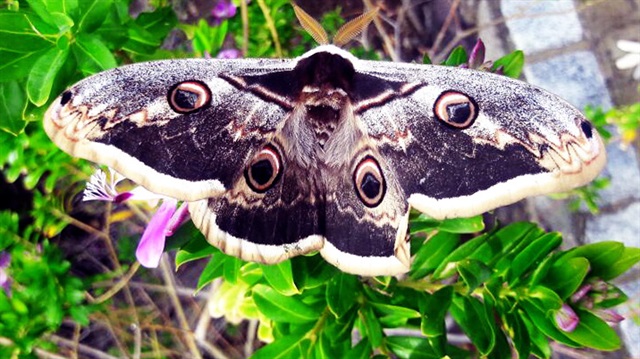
x=434, y=308
x=92, y=15
x=519, y=334
x=92, y=54
x=191, y=253
x=159, y=22
x=294, y=345
x=231, y=270
x=362, y=350
x=69, y=7
x=24, y=32
x=13, y=101
x=395, y=310
x=43, y=74
x=281, y=308
x=511, y=64
x=411, y=347
x=457, y=57
x=453, y=225
x=341, y=293
x=504, y=241
x=544, y=321
x=280, y=277
x=544, y=298
x=213, y=269
x=426, y=60
x=538, y=341
x=17, y=65
x=566, y=275
x=447, y=267
x=312, y=271
x=533, y=253
x=602, y=256
x=372, y=325
x=473, y=273
x=432, y=253
x=472, y=316
x=593, y=332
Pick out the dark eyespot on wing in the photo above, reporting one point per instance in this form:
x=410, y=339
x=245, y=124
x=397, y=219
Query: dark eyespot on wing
x=65, y=98
x=189, y=96
x=587, y=128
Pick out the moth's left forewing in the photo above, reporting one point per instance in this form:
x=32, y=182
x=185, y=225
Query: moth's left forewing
x=134, y=119
x=462, y=142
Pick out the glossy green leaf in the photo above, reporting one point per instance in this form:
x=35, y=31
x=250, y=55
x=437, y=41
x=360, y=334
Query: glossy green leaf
x=362, y=350
x=457, y=57
x=196, y=249
x=544, y=298
x=539, y=343
x=69, y=7
x=280, y=277
x=432, y=253
x=92, y=54
x=534, y=252
x=544, y=321
x=213, y=269
x=372, y=325
x=24, y=32
x=601, y=255
x=294, y=345
x=17, y=65
x=395, y=310
x=13, y=101
x=434, y=308
x=159, y=22
x=566, y=275
x=473, y=318
x=453, y=225
x=92, y=15
x=43, y=74
x=519, y=334
x=312, y=271
x=447, y=267
x=502, y=242
x=231, y=270
x=281, y=308
x=511, y=64
x=341, y=293
x=593, y=332
x=629, y=258
x=473, y=273
x=411, y=347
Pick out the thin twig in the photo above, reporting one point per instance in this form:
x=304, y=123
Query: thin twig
x=118, y=285
x=182, y=318
x=271, y=25
x=244, y=14
x=84, y=349
x=388, y=43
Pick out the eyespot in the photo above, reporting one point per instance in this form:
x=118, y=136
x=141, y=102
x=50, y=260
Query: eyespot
x=455, y=109
x=369, y=182
x=587, y=129
x=264, y=170
x=189, y=96
x=65, y=98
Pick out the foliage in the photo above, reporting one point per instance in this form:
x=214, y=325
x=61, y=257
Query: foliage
x=504, y=286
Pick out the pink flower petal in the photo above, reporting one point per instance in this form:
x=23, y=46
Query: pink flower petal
x=151, y=245
x=566, y=319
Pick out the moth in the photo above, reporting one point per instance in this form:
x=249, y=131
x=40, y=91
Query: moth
x=325, y=152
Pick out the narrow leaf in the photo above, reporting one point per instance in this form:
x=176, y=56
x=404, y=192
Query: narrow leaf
x=13, y=101
x=593, y=332
x=43, y=74
x=280, y=277
x=281, y=308
x=511, y=64
x=341, y=293
x=92, y=54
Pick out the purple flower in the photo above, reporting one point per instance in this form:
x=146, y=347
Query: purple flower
x=477, y=55
x=224, y=9
x=608, y=315
x=566, y=318
x=229, y=54
x=5, y=280
x=164, y=222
